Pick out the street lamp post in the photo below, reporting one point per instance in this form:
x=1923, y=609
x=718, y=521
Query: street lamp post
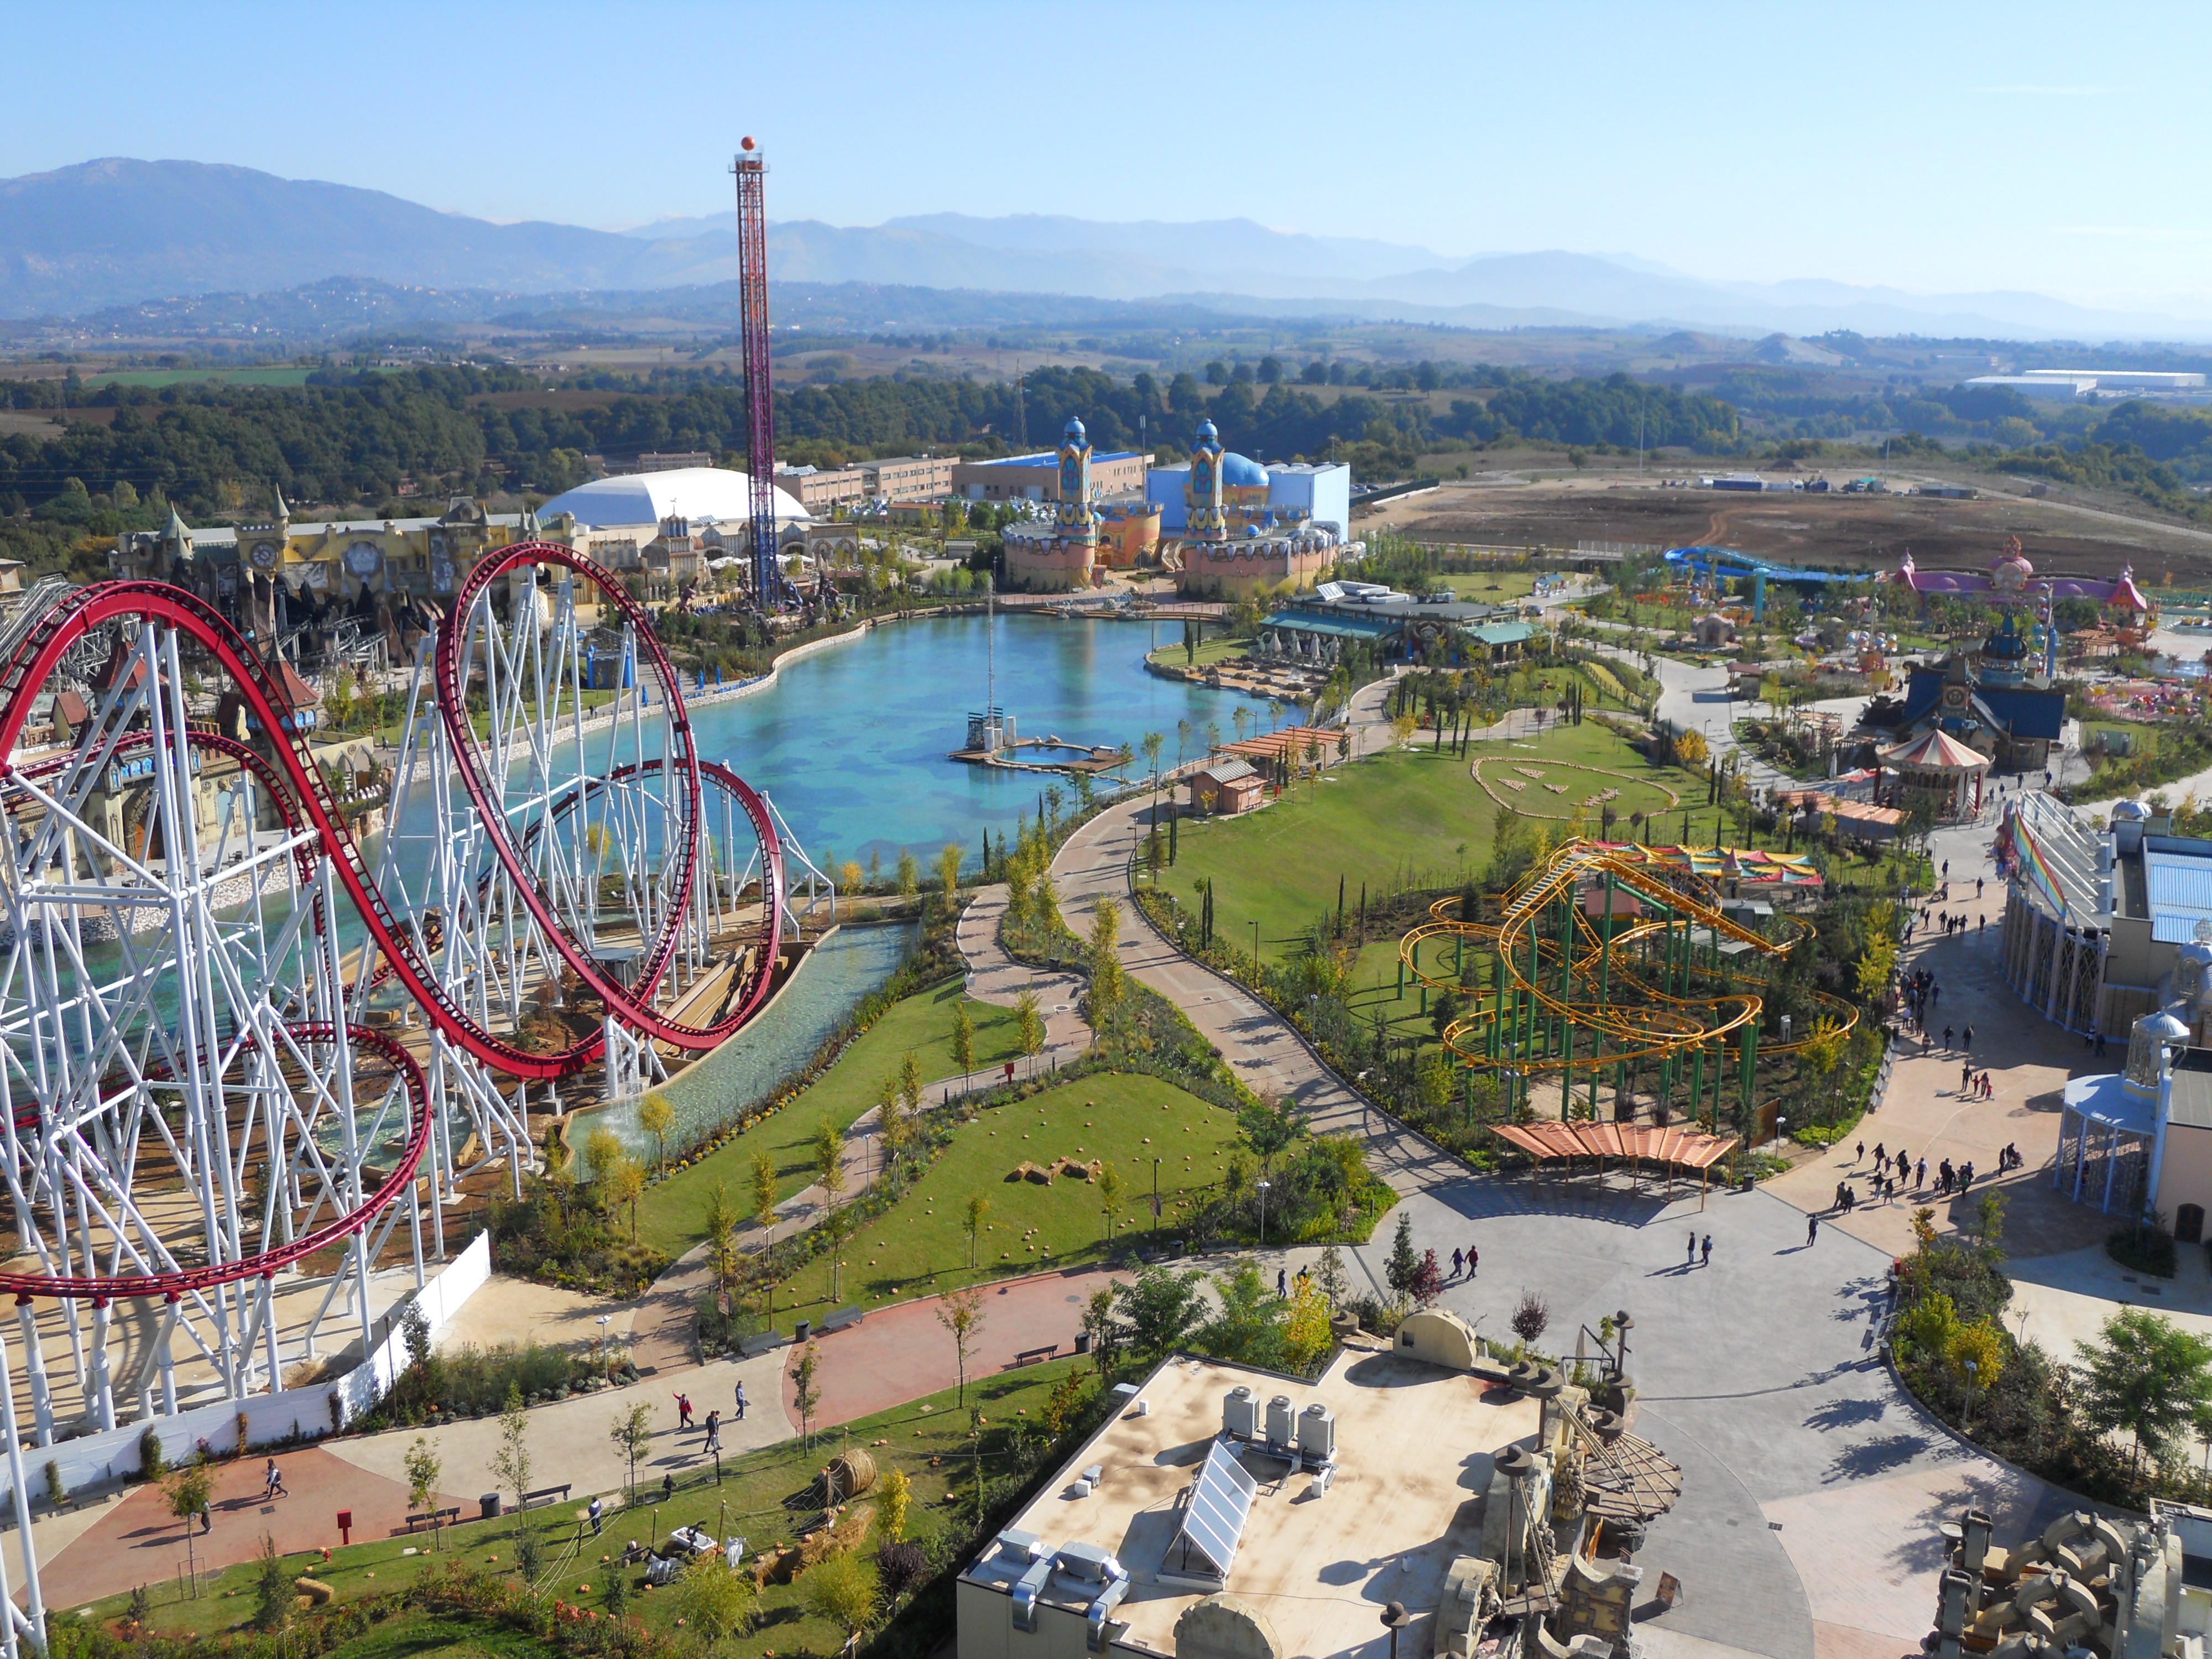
x=1263, y=1214
x=1156, y=1201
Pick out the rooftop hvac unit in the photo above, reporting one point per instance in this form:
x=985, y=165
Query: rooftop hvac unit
x=1282, y=1421
x=1240, y=1414
x=1317, y=1433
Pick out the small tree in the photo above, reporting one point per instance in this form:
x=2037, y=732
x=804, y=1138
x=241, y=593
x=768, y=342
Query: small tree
x=948, y=873
x=187, y=1489
x=1532, y=1315
x=1029, y=1024
x=511, y=1461
x=830, y=1159
x=1308, y=1335
x=423, y=1467
x=1403, y=1264
x=963, y=1040
x=631, y=1436
x=1109, y=1196
x=961, y=1312
x=1104, y=1328
x=272, y=1590
x=1428, y=1281
x=909, y=877
x=839, y=1590
x=978, y=1208
x=765, y=1194
x=623, y=1182
x=910, y=1080
x=1106, y=976
x=892, y=1123
x=891, y=1505
x=806, y=1391
x=714, y=1599
x=603, y=1150
x=1330, y=1275
x=657, y=1118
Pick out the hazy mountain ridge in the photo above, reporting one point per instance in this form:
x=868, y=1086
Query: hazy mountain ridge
x=117, y=233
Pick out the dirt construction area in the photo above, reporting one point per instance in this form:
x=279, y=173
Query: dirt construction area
x=1833, y=530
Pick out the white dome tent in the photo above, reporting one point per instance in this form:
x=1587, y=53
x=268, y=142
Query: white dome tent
x=717, y=494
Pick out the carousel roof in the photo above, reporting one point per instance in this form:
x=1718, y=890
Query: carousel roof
x=1935, y=751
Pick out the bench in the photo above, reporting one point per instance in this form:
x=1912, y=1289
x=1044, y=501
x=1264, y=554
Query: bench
x=1034, y=1356
x=434, y=1516
x=760, y=1342
x=841, y=1318
x=546, y=1495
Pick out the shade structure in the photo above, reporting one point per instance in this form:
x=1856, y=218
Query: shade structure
x=1686, y=1149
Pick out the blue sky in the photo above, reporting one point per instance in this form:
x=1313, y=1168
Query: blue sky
x=1950, y=147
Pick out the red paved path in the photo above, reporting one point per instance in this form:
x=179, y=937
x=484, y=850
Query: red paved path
x=900, y=1354
x=139, y=1543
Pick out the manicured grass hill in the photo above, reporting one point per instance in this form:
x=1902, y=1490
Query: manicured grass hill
x=671, y=1216
x=1411, y=817
x=920, y=1246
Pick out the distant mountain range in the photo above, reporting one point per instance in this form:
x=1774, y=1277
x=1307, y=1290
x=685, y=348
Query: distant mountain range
x=119, y=232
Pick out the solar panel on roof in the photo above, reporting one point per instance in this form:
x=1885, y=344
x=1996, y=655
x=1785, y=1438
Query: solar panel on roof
x=1221, y=1499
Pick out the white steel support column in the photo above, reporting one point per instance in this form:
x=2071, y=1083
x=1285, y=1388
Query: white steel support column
x=34, y=1367
x=32, y=1617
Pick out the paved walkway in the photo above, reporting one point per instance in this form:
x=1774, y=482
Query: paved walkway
x=902, y=1352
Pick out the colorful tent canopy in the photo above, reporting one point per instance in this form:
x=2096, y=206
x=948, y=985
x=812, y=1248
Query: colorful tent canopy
x=1688, y=1149
x=1935, y=751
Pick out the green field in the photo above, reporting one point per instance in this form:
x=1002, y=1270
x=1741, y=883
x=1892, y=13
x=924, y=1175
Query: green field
x=1209, y=652
x=763, y=1497
x=1490, y=586
x=275, y=374
x=1127, y=1122
x=671, y=1216
x=1408, y=818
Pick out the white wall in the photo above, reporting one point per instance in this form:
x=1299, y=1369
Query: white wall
x=310, y=1412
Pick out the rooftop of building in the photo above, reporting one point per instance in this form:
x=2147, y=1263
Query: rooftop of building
x=1318, y=1563
x=1051, y=457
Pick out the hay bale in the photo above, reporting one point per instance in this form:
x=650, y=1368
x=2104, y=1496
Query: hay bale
x=849, y=1475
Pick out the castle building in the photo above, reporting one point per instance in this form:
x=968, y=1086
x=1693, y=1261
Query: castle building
x=1236, y=541
x=1057, y=555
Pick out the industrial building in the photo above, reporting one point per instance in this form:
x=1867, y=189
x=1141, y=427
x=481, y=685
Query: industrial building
x=1224, y=1512
x=2068, y=384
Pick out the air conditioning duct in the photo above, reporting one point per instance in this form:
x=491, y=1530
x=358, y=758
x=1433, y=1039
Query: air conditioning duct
x=1282, y=1421
x=1317, y=1433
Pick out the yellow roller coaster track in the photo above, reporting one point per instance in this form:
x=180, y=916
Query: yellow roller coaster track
x=1660, y=1025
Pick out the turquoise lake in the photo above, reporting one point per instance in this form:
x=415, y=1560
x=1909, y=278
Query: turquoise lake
x=851, y=742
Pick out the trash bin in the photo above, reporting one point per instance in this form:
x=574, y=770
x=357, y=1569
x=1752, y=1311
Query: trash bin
x=799, y=1331
x=490, y=1505
x=1083, y=1342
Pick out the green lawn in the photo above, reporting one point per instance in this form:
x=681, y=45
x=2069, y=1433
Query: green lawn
x=671, y=1216
x=1209, y=652
x=1126, y=1123
x=1408, y=818
x=762, y=1497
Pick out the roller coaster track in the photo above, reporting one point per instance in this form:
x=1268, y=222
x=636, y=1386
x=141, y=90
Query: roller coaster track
x=1655, y=1023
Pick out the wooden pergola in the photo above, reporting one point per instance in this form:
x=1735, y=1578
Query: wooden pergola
x=1673, y=1147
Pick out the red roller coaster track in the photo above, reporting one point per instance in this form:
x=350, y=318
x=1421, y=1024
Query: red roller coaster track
x=303, y=801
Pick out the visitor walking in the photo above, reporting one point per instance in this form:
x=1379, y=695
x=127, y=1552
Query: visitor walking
x=1472, y=1258
x=1709, y=1250
x=596, y=1512
x=1966, y=1079
x=272, y=1482
x=1812, y=1230
x=682, y=1410
x=1966, y=1039
x=1691, y=1257
x=1948, y=1031
x=1920, y=1174
x=1459, y=1261
x=1880, y=1154
x=713, y=1431
x=1282, y=1285
x=1858, y=1155
x=741, y=1402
